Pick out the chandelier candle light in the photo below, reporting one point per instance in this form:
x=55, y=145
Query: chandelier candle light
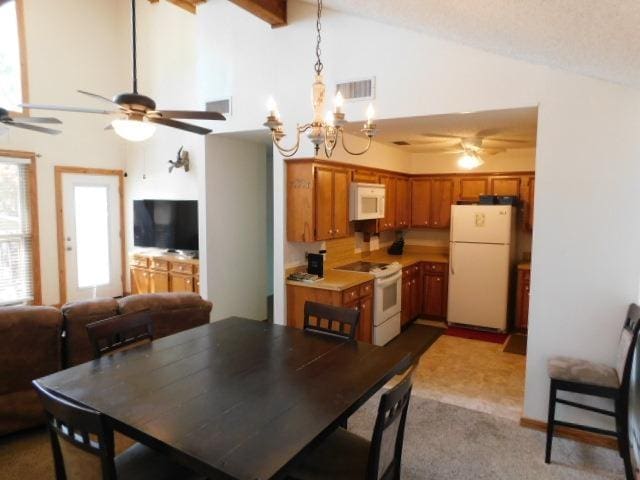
x=324, y=130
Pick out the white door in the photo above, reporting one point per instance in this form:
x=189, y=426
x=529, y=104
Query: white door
x=478, y=285
x=92, y=241
x=481, y=223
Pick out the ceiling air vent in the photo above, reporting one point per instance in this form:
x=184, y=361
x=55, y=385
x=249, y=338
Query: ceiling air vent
x=223, y=106
x=401, y=143
x=363, y=89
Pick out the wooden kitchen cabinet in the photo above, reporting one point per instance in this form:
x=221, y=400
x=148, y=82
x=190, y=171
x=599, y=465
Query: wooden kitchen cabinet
x=139, y=280
x=365, y=176
x=359, y=297
x=411, y=293
x=506, y=186
x=317, y=201
x=403, y=203
x=472, y=187
x=441, y=201
x=158, y=282
x=434, y=289
x=522, y=299
x=420, y=202
x=181, y=283
x=529, y=202
x=389, y=220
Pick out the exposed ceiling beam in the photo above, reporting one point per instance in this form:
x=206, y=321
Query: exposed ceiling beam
x=188, y=5
x=274, y=12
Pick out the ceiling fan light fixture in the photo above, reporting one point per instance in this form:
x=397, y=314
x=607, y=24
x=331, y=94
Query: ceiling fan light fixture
x=133, y=130
x=470, y=160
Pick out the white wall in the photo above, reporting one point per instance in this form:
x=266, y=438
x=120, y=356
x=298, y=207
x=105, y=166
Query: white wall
x=585, y=261
x=72, y=45
x=516, y=160
x=236, y=216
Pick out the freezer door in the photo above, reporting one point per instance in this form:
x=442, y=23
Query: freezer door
x=481, y=223
x=478, y=285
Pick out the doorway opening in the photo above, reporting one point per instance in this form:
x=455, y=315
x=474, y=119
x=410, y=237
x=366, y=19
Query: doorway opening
x=90, y=223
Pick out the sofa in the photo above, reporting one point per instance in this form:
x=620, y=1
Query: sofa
x=38, y=341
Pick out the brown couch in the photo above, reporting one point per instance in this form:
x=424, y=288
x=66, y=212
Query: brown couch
x=38, y=341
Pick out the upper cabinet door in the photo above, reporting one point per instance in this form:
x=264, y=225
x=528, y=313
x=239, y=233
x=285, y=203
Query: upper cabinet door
x=529, y=205
x=389, y=220
x=403, y=203
x=505, y=186
x=441, y=201
x=472, y=187
x=365, y=176
x=340, y=203
x=324, y=203
x=420, y=202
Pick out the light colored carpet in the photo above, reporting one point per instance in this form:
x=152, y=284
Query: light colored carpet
x=442, y=442
x=445, y=442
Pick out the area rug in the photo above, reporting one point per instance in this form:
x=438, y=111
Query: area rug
x=471, y=334
x=516, y=343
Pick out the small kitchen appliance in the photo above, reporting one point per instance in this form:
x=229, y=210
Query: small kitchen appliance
x=315, y=264
x=366, y=201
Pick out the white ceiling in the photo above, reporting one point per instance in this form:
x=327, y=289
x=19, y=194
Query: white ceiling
x=514, y=128
x=598, y=38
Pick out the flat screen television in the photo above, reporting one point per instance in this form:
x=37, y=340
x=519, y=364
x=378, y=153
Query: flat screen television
x=168, y=224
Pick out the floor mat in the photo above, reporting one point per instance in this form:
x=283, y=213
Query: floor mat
x=493, y=337
x=516, y=343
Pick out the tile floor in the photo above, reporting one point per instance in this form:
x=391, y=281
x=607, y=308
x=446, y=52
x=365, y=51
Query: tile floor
x=472, y=374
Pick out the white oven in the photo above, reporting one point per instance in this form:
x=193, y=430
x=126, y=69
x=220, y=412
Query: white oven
x=366, y=201
x=387, y=304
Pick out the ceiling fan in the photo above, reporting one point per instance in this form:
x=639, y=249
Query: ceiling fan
x=25, y=122
x=138, y=114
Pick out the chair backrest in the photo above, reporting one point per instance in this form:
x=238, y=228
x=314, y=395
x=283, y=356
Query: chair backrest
x=626, y=346
x=81, y=440
x=385, y=453
x=120, y=332
x=331, y=320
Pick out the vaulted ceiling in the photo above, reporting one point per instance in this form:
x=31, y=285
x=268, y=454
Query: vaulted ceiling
x=598, y=38
x=274, y=12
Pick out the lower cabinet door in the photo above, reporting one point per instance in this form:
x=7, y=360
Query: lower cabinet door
x=139, y=281
x=407, y=301
x=365, y=328
x=181, y=283
x=416, y=296
x=158, y=282
x=434, y=295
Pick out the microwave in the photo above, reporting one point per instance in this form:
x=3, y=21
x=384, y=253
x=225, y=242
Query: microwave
x=366, y=201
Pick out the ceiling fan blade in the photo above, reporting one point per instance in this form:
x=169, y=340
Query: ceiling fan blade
x=509, y=140
x=194, y=114
x=99, y=97
x=35, y=128
x=38, y=120
x=180, y=125
x=62, y=108
x=440, y=135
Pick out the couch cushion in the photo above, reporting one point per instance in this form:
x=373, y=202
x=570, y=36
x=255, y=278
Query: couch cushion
x=582, y=371
x=160, y=301
x=76, y=317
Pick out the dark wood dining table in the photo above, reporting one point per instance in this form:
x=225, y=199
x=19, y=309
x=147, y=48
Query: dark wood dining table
x=236, y=399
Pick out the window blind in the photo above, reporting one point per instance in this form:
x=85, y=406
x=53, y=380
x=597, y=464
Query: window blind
x=16, y=240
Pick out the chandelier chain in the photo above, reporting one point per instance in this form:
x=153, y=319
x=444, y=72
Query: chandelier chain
x=319, y=66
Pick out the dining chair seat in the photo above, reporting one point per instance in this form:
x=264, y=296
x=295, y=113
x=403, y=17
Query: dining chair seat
x=142, y=463
x=341, y=456
x=582, y=371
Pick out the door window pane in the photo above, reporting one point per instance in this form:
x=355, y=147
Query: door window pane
x=92, y=235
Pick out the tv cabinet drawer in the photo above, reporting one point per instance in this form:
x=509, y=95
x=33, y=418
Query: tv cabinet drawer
x=159, y=264
x=186, y=268
x=137, y=261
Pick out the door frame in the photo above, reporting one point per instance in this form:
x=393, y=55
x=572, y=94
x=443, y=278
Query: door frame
x=62, y=258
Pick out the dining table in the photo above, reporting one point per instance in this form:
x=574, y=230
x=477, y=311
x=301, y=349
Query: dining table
x=233, y=399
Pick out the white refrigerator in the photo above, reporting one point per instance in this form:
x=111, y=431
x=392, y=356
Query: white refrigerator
x=481, y=256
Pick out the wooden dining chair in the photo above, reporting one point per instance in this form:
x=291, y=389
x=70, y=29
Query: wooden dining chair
x=346, y=456
x=331, y=320
x=120, y=332
x=83, y=447
x=597, y=380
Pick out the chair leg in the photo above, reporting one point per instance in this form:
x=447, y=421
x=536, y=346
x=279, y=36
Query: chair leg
x=344, y=423
x=622, y=427
x=550, y=421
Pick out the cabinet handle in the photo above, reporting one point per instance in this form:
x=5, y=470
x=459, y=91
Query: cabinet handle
x=337, y=231
x=188, y=281
x=363, y=306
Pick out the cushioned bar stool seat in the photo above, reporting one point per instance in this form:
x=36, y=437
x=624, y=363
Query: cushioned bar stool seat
x=582, y=371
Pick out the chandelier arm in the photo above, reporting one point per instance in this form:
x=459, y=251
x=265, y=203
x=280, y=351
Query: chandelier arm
x=346, y=149
x=284, y=150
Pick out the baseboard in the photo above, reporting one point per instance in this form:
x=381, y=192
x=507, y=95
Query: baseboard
x=572, y=434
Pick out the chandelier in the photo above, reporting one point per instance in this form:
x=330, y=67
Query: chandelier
x=324, y=130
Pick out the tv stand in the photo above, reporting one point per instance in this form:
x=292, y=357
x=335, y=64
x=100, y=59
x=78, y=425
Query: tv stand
x=163, y=272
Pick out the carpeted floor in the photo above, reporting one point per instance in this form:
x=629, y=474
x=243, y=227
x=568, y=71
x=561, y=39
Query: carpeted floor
x=442, y=442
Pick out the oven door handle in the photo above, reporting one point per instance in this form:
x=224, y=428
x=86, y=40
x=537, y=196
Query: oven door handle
x=384, y=282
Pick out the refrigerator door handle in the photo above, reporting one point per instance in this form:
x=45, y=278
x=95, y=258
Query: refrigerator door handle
x=453, y=271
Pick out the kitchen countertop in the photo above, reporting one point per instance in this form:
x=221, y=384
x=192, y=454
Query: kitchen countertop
x=338, y=280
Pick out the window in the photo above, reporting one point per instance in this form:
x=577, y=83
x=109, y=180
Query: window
x=13, y=79
x=19, y=261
